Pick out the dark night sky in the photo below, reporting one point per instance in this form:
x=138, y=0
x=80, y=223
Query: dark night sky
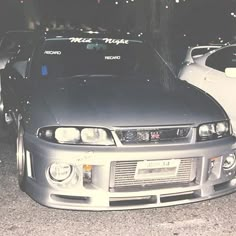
x=79, y=11
x=10, y=15
x=208, y=19
x=200, y=20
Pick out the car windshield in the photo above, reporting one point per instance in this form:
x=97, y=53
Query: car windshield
x=72, y=57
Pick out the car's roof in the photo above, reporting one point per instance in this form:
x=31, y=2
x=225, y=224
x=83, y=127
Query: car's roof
x=17, y=35
x=19, y=32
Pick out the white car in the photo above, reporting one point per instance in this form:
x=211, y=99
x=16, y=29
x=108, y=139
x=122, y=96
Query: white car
x=213, y=69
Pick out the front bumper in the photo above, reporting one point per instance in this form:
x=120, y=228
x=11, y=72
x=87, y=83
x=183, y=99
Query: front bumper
x=102, y=194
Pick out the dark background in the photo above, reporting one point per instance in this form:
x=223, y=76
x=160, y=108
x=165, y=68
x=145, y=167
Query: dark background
x=182, y=24
x=200, y=20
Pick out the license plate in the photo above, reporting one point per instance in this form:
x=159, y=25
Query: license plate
x=156, y=169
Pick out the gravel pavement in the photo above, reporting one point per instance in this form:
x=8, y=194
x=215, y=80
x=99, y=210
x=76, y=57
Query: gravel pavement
x=20, y=215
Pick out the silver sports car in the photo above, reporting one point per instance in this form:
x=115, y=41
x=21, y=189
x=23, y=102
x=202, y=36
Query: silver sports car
x=98, y=130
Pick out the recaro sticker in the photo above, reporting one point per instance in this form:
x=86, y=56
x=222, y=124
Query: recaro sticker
x=112, y=57
x=52, y=52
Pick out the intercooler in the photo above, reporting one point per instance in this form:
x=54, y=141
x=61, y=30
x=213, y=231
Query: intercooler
x=123, y=175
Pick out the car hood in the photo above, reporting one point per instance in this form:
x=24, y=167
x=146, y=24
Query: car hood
x=110, y=102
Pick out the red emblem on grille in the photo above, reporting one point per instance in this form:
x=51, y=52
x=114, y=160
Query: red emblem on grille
x=155, y=135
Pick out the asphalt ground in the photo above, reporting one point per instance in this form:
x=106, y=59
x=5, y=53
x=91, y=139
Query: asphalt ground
x=20, y=215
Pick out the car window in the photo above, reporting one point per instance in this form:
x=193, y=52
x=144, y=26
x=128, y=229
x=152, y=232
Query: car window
x=11, y=42
x=20, y=61
x=222, y=59
x=77, y=56
x=8, y=44
x=20, y=67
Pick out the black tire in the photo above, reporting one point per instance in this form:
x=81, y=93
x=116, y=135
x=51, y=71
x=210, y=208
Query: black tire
x=9, y=128
x=3, y=123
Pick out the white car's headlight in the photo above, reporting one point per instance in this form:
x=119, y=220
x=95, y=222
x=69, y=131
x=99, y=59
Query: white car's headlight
x=76, y=135
x=213, y=131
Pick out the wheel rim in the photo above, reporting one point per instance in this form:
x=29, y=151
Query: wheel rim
x=1, y=105
x=20, y=154
x=1, y=101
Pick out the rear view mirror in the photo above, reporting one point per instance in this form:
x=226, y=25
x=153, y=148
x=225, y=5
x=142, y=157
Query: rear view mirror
x=230, y=72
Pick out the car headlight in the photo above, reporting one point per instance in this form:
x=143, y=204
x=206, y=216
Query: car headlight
x=93, y=135
x=213, y=131
x=67, y=135
x=222, y=128
x=76, y=135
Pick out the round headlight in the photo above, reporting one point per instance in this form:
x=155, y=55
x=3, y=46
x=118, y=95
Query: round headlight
x=222, y=128
x=67, y=135
x=60, y=171
x=206, y=130
x=93, y=135
x=230, y=162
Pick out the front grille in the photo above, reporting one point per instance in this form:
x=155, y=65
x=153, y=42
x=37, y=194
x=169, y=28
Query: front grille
x=159, y=135
x=123, y=175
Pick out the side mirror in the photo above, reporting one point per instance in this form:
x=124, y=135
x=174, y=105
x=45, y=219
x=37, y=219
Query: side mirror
x=230, y=72
x=198, y=51
x=20, y=67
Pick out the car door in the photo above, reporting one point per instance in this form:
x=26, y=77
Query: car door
x=218, y=84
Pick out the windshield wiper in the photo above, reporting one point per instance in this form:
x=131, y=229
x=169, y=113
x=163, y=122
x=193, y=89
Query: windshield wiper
x=103, y=75
x=88, y=76
x=74, y=76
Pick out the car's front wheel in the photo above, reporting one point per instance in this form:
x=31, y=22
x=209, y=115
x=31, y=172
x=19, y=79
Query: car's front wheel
x=20, y=156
